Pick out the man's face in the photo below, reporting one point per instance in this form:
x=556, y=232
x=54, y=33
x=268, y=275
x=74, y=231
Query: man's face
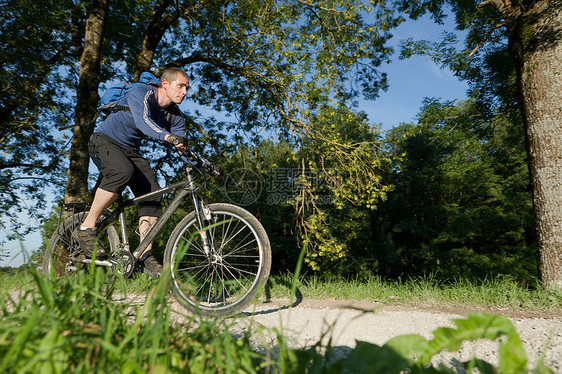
x=176, y=89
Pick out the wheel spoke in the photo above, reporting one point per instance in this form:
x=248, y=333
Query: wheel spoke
x=227, y=278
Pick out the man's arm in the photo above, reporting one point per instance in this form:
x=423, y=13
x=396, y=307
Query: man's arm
x=139, y=102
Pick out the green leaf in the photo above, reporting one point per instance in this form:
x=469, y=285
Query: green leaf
x=513, y=358
x=370, y=358
x=481, y=326
x=412, y=345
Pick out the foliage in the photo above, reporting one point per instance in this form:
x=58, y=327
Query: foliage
x=461, y=202
x=413, y=353
x=483, y=60
x=319, y=190
x=339, y=182
x=31, y=100
x=73, y=325
x=504, y=39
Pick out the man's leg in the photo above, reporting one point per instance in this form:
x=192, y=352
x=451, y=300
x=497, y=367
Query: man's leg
x=102, y=200
x=145, y=181
x=86, y=234
x=116, y=170
x=151, y=267
x=145, y=224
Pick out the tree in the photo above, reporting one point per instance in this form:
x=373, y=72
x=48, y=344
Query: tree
x=319, y=192
x=267, y=64
x=86, y=100
x=338, y=184
x=522, y=74
x=461, y=202
x=535, y=40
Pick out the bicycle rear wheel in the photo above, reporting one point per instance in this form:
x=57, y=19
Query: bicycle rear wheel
x=226, y=281
x=61, y=256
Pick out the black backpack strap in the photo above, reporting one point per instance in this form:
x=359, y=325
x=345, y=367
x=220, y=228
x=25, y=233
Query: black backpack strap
x=170, y=111
x=169, y=121
x=173, y=110
x=107, y=109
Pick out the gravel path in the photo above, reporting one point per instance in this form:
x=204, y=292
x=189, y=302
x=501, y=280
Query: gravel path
x=347, y=322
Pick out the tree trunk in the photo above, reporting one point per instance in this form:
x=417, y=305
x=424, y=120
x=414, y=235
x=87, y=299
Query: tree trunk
x=157, y=27
x=86, y=102
x=536, y=41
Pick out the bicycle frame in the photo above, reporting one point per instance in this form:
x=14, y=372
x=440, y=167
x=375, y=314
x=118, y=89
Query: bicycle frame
x=185, y=188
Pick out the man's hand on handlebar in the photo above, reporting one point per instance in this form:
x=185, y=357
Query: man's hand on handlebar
x=177, y=141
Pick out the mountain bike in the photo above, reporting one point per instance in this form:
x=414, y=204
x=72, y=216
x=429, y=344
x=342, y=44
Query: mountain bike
x=218, y=256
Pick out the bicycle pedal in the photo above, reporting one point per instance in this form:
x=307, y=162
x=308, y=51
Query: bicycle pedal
x=139, y=268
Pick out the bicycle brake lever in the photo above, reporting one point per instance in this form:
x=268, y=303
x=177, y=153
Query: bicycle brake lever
x=195, y=160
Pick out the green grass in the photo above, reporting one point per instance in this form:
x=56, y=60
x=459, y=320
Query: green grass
x=494, y=293
x=71, y=325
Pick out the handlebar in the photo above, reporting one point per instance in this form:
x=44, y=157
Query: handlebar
x=197, y=161
x=193, y=158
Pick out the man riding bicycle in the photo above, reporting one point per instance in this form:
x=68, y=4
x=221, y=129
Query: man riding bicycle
x=115, y=150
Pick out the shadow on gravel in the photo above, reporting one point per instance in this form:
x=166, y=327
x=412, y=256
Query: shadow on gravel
x=275, y=307
x=283, y=283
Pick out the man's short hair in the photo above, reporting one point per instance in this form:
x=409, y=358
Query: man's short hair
x=171, y=74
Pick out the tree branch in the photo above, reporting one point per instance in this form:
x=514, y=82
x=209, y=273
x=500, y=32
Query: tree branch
x=200, y=128
x=317, y=6
x=492, y=29
x=156, y=29
x=36, y=165
x=264, y=82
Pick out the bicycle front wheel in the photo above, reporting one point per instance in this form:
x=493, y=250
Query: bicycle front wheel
x=60, y=258
x=226, y=276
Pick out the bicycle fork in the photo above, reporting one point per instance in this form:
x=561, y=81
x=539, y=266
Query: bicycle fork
x=203, y=213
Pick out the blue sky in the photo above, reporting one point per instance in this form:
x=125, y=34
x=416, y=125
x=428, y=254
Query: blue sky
x=410, y=82
x=414, y=79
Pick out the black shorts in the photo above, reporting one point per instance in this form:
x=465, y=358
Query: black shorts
x=122, y=166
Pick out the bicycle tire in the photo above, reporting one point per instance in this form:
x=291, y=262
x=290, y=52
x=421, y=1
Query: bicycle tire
x=227, y=283
x=57, y=259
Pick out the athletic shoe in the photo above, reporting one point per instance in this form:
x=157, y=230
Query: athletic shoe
x=87, y=240
x=151, y=267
